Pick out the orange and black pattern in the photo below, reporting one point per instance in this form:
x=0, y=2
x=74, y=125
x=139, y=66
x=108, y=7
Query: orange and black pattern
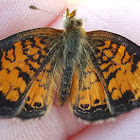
x=112, y=81
x=25, y=72
x=98, y=71
x=90, y=102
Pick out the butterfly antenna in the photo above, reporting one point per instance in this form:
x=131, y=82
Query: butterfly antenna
x=35, y=8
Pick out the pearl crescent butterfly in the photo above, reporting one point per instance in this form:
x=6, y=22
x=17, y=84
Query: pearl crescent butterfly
x=97, y=71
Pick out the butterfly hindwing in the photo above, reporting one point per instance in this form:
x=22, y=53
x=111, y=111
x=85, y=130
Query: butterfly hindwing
x=118, y=65
x=23, y=58
x=40, y=95
x=88, y=96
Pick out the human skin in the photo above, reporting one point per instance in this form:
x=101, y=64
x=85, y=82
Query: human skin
x=121, y=17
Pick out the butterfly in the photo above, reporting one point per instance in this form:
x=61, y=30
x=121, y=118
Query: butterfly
x=97, y=71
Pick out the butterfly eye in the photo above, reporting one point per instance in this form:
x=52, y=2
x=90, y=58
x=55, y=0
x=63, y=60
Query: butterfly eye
x=72, y=22
x=79, y=22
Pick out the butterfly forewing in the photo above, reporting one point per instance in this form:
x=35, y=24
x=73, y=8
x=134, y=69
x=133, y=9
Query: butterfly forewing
x=23, y=58
x=118, y=62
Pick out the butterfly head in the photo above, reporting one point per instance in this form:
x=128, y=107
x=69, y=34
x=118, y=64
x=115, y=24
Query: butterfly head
x=72, y=22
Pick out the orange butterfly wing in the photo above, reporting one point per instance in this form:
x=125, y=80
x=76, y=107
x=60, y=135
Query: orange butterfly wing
x=24, y=58
x=116, y=67
x=40, y=95
x=119, y=61
x=88, y=96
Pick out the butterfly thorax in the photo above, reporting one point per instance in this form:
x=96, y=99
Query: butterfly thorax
x=73, y=40
x=73, y=37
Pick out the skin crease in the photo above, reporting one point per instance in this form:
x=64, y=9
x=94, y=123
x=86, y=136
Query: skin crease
x=121, y=17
